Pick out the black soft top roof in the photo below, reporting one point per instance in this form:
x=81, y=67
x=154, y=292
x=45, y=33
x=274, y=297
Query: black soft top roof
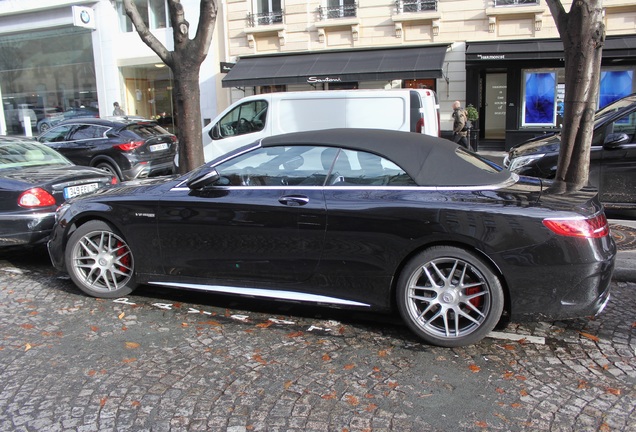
x=430, y=161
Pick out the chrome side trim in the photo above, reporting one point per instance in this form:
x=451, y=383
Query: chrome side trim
x=258, y=292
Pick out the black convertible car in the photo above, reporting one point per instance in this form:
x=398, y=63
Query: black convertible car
x=355, y=218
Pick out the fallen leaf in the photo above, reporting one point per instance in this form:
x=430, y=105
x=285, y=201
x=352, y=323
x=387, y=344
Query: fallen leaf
x=516, y=405
x=136, y=404
x=523, y=392
x=27, y=347
x=212, y=323
x=328, y=396
x=371, y=407
x=481, y=424
x=582, y=385
x=604, y=427
x=287, y=385
x=132, y=345
x=184, y=324
x=94, y=328
x=295, y=334
x=383, y=353
x=352, y=400
x=508, y=375
x=130, y=360
x=393, y=384
x=121, y=315
x=27, y=326
x=265, y=324
x=258, y=358
x=614, y=391
x=500, y=390
x=509, y=347
x=349, y=366
x=102, y=401
x=326, y=357
x=590, y=336
x=474, y=368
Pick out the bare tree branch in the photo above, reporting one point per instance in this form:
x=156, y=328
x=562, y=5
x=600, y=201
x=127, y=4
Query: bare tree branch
x=145, y=34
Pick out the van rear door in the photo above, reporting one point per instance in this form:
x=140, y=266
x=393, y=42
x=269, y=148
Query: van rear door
x=424, y=112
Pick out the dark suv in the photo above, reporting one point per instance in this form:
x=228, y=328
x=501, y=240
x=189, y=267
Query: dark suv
x=612, y=157
x=128, y=148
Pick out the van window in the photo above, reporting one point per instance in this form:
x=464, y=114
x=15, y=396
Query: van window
x=246, y=118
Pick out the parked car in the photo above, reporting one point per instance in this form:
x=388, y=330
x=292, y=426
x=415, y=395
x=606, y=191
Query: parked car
x=612, y=155
x=34, y=181
x=16, y=117
x=129, y=148
x=81, y=112
x=48, y=117
x=358, y=218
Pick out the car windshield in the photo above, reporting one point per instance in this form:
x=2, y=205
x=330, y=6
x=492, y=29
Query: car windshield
x=23, y=154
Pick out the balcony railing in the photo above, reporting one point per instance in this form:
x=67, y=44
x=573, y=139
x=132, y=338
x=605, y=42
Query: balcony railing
x=515, y=2
x=405, y=6
x=265, y=18
x=342, y=11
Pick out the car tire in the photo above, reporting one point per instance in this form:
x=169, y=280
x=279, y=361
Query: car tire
x=44, y=127
x=99, y=261
x=449, y=296
x=105, y=166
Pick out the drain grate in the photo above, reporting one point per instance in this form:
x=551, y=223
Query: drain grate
x=624, y=236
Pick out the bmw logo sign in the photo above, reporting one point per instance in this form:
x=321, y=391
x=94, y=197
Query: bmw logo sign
x=85, y=17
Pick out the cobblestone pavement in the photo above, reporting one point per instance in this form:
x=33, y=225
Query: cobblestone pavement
x=174, y=361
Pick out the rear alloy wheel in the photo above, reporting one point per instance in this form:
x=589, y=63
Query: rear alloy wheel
x=449, y=297
x=105, y=166
x=99, y=261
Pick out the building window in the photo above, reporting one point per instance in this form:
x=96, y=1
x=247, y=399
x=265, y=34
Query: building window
x=268, y=12
x=515, y=2
x=338, y=9
x=153, y=12
x=415, y=5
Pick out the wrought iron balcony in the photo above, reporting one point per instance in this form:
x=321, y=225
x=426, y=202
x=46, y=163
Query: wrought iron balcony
x=342, y=11
x=265, y=18
x=515, y=2
x=405, y=6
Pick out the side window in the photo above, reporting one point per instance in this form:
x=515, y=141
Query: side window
x=83, y=132
x=276, y=166
x=358, y=168
x=57, y=134
x=246, y=118
x=626, y=125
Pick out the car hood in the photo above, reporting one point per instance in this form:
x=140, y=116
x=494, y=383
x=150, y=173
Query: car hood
x=148, y=186
x=545, y=145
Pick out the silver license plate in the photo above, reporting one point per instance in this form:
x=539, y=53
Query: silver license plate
x=73, y=191
x=158, y=147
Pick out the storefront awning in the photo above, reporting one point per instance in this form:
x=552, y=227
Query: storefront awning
x=537, y=49
x=338, y=66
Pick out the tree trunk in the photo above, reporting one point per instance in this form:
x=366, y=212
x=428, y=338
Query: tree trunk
x=583, y=34
x=187, y=99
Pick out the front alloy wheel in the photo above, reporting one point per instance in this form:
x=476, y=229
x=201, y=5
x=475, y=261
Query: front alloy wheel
x=99, y=261
x=449, y=296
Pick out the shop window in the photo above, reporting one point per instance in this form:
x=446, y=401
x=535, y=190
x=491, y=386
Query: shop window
x=43, y=74
x=153, y=12
x=544, y=94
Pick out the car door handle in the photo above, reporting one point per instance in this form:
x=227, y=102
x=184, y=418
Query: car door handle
x=294, y=200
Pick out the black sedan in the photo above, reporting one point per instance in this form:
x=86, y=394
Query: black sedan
x=34, y=181
x=354, y=218
x=612, y=155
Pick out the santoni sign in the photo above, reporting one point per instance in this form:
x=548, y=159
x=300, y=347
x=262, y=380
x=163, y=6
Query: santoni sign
x=312, y=80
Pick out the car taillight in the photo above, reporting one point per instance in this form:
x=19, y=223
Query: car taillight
x=114, y=180
x=173, y=138
x=36, y=197
x=419, y=126
x=594, y=227
x=129, y=146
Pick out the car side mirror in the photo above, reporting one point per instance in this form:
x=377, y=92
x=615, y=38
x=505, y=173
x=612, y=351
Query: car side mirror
x=614, y=140
x=215, y=132
x=204, y=176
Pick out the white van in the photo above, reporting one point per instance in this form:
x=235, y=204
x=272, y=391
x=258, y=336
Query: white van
x=259, y=116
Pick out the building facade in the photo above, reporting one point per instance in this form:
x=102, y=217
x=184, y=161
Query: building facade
x=59, y=55
x=502, y=56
